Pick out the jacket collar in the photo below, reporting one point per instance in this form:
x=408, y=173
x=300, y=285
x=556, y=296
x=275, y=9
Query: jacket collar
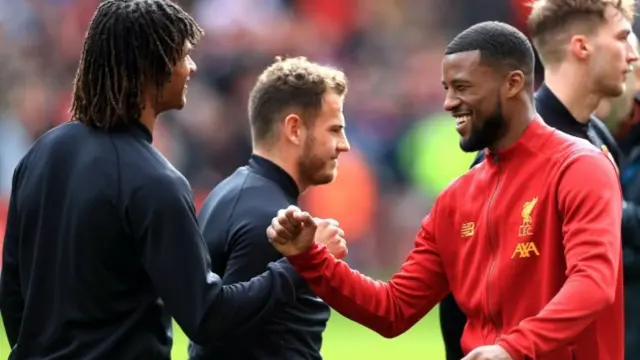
x=531, y=141
x=269, y=170
x=556, y=114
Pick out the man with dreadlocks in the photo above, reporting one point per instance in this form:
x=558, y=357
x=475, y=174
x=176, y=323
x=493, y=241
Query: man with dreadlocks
x=102, y=243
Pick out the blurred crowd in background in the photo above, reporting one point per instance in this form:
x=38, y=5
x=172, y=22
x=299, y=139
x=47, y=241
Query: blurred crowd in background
x=405, y=149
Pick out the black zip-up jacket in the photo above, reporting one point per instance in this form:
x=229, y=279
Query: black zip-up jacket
x=103, y=247
x=234, y=219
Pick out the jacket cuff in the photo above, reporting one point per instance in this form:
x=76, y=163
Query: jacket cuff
x=293, y=277
x=309, y=259
x=513, y=352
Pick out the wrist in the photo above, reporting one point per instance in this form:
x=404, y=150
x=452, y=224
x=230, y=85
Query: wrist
x=513, y=353
x=307, y=256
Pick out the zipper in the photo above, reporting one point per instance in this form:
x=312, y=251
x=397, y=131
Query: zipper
x=493, y=246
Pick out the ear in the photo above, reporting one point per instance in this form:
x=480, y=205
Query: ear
x=580, y=47
x=293, y=128
x=515, y=81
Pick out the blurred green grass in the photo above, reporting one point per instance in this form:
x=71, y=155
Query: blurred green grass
x=345, y=340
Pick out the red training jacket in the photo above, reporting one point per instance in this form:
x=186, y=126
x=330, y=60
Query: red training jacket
x=528, y=242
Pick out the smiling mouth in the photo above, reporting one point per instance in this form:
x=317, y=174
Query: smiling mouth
x=462, y=119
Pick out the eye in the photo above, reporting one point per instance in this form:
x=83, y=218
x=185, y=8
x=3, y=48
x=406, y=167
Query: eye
x=461, y=88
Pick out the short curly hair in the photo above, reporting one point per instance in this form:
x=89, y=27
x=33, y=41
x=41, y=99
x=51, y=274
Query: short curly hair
x=501, y=46
x=290, y=85
x=551, y=20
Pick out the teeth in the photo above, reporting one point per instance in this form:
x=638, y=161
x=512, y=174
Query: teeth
x=462, y=119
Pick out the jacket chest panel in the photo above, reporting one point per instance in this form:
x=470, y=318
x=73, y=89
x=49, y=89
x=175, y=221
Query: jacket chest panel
x=499, y=236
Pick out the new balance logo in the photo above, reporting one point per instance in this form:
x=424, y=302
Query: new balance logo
x=468, y=229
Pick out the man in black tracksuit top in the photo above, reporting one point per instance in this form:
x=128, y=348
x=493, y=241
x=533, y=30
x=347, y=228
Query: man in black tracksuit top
x=102, y=245
x=622, y=117
x=293, y=97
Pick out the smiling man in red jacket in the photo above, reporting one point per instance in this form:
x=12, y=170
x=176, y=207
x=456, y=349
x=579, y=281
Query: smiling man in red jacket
x=528, y=241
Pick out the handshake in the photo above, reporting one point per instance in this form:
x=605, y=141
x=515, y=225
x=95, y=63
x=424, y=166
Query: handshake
x=294, y=231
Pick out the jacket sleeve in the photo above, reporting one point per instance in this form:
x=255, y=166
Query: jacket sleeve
x=174, y=254
x=388, y=308
x=248, y=251
x=591, y=212
x=631, y=225
x=11, y=300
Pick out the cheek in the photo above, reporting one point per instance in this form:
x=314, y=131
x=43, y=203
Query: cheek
x=616, y=52
x=180, y=73
x=325, y=145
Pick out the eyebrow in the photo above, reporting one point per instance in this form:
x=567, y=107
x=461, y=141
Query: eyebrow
x=457, y=82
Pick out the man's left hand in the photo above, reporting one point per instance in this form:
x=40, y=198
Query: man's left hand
x=331, y=235
x=489, y=352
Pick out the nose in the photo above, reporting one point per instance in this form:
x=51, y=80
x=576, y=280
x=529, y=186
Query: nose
x=632, y=54
x=192, y=66
x=450, y=102
x=343, y=145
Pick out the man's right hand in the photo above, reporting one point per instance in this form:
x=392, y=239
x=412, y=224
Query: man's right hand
x=292, y=231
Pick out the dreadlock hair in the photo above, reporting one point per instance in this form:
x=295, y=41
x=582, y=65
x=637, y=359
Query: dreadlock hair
x=130, y=45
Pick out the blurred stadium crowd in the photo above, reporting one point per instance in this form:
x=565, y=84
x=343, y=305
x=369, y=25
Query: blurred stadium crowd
x=404, y=148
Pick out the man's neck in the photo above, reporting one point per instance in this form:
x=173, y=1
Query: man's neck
x=148, y=117
x=574, y=92
x=516, y=128
x=280, y=159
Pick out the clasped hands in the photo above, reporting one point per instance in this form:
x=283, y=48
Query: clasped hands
x=294, y=231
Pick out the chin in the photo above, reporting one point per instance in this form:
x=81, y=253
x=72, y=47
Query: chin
x=466, y=145
x=615, y=91
x=324, y=179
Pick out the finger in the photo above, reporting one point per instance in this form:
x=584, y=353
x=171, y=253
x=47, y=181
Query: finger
x=333, y=222
x=334, y=231
x=281, y=231
x=341, y=250
x=326, y=222
x=342, y=243
x=274, y=238
x=291, y=225
x=305, y=218
x=289, y=213
x=346, y=249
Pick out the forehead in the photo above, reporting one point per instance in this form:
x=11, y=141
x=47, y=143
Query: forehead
x=615, y=21
x=332, y=101
x=332, y=108
x=464, y=66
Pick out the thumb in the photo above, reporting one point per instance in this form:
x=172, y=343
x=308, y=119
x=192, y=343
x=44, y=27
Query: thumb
x=320, y=221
